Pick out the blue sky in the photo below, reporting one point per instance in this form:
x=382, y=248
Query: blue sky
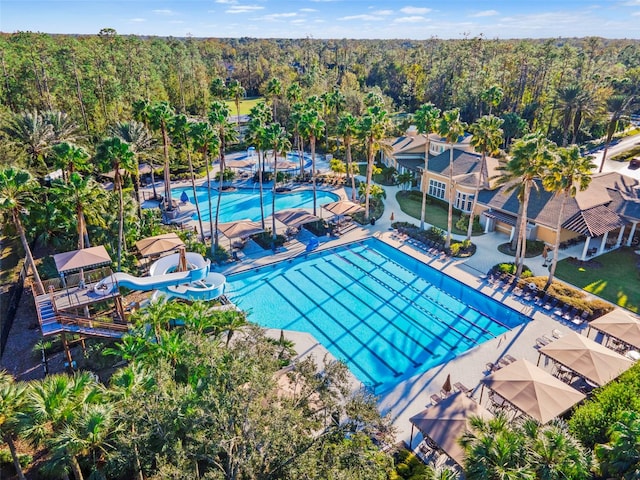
x=328, y=18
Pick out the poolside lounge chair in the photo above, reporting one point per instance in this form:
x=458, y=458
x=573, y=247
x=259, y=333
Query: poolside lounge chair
x=435, y=399
x=510, y=358
x=462, y=388
x=491, y=367
x=557, y=333
x=550, y=304
x=543, y=341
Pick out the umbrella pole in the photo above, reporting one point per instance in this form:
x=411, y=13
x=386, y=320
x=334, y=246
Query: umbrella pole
x=411, y=439
x=481, y=392
x=539, y=357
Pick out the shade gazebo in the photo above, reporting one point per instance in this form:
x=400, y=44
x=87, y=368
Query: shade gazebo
x=295, y=217
x=80, y=259
x=343, y=207
x=532, y=390
x=239, y=163
x=445, y=422
x=159, y=244
x=619, y=325
x=240, y=228
x=588, y=359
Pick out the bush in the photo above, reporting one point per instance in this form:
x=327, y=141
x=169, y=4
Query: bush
x=463, y=224
x=265, y=240
x=7, y=460
x=591, y=421
x=511, y=268
x=318, y=228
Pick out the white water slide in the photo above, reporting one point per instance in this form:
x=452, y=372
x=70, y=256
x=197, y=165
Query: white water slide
x=196, y=283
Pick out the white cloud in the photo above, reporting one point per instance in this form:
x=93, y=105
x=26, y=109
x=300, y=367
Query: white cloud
x=163, y=12
x=244, y=8
x=382, y=12
x=298, y=21
x=309, y=10
x=411, y=19
x=635, y=14
x=227, y=2
x=631, y=3
x=363, y=17
x=278, y=16
x=485, y=13
x=415, y=10
x=137, y=20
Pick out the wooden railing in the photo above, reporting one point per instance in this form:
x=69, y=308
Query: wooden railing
x=70, y=319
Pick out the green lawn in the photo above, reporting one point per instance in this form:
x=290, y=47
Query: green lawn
x=434, y=214
x=616, y=279
x=245, y=105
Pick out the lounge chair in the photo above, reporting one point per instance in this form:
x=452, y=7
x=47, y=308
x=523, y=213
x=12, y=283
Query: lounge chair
x=557, y=333
x=510, y=358
x=543, y=341
x=462, y=388
x=435, y=399
x=550, y=304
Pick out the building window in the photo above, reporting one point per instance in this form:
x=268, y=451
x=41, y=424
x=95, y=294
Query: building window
x=464, y=201
x=436, y=189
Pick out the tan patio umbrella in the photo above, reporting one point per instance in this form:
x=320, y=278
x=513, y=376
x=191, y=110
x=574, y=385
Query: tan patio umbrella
x=284, y=165
x=343, y=207
x=445, y=422
x=240, y=228
x=295, y=217
x=239, y=163
x=446, y=387
x=589, y=359
x=159, y=244
x=533, y=391
x=620, y=325
x=80, y=259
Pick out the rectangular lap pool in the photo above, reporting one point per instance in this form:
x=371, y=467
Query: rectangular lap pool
x=386, y=314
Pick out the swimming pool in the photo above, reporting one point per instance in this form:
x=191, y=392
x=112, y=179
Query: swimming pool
x=386, y=314
x=245, y=203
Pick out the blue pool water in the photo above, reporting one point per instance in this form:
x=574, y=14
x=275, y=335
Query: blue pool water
x=386, y=314
x=245, y=203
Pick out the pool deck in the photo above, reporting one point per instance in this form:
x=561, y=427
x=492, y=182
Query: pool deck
x=411, y=396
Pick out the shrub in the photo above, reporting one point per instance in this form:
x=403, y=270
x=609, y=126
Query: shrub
x=265, y=240
x=591, y=421
x=511, y=268
x=318, y=228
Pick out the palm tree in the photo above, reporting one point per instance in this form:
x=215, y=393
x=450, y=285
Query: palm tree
x=64, y=128
x=569, y=97
x=570, y=173
x=486, y=137
x=157, y=315
x=180, y=128
x=218, y=118
x=451, y=128
x=88, y=435
x=348, y=130
x=620, y=458
x=617, y=105
x=53, y=404
x=115, y=154
x=295, y=125
x=84, y=196
x=12, y=404
x=426, y=118
x=237, y=92
x=17, y=188
x=530, y=157
x=554, y=453
x=276, y=138
x=273, y=93
x=492, y=96
x=218, y=89
x=141, y=142
x=312, y=126
x=372, y=128
x=494, y=451
x=160, y=114
x=206, y=140
x=294, y=93
x=260, y=116
x=34, y=133
x=70, y=158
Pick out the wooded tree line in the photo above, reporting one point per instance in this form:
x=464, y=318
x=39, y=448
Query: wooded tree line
x=558, y=86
